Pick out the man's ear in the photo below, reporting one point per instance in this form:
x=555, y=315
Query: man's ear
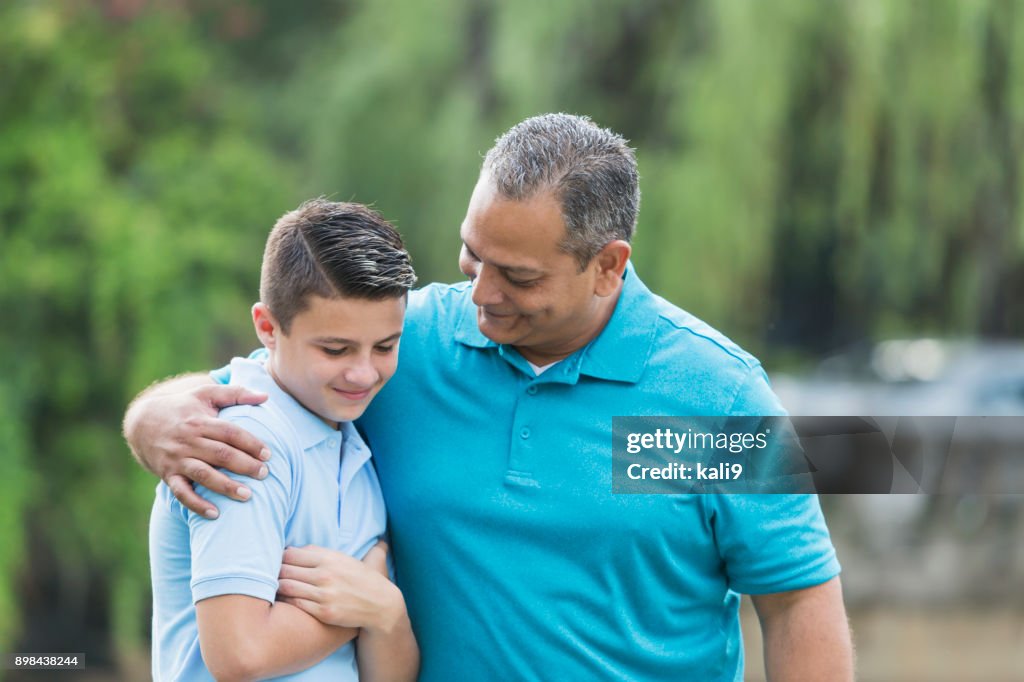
x=611, y=263
x=267, y=328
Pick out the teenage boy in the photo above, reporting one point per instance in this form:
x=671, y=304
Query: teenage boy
x=332, y=299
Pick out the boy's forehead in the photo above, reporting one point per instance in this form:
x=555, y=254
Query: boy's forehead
x=347, y=317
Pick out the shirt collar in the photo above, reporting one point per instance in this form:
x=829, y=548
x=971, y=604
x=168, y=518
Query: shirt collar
x=620, y=351
x=467, y=331
x=310, y=429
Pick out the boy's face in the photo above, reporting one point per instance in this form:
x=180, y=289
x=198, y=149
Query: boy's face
x=337, y=354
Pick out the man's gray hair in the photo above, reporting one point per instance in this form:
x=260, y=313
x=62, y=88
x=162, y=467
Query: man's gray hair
x=591, y=171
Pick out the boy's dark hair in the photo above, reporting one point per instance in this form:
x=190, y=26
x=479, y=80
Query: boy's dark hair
x=331, y=249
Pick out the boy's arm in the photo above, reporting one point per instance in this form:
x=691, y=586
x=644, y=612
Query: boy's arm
x=390, y=653
x=339, y=589
x=246, y=638
x=173, y=430
x=244, y=632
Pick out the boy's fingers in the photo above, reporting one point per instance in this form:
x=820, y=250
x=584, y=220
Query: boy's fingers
x=182, y=490
x=298, y=573
x=309, y=556
x=310, y=607
x=296, y=589
x=217, y=481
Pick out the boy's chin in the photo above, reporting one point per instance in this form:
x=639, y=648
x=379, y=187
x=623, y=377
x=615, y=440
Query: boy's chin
x=346, y=414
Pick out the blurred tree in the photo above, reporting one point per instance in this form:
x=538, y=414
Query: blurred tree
x=135, y=202
x=813, y=173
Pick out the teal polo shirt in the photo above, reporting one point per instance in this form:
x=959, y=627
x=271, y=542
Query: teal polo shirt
x=516, y=559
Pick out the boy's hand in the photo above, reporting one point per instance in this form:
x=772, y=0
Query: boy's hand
x=176, y=434
x=340, y=590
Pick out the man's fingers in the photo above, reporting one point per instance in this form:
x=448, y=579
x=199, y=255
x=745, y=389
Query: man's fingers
x=220, y=454
x=182, y=490
x=242, y=444
x=297, y=589
x=219, y=396
x=217, y=481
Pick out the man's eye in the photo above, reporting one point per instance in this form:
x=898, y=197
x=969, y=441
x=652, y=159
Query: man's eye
x=385, y=349
x=522, y=283
x=335, y=351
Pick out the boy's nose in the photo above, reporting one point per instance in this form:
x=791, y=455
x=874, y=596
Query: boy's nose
x=361, y=374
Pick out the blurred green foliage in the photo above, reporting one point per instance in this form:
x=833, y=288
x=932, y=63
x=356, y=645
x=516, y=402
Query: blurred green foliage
x=814, y=173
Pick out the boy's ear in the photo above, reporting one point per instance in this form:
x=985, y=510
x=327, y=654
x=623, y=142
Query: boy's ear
x=266, y=326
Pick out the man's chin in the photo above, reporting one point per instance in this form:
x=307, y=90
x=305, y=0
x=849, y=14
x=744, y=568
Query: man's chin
x=499, y=328
x=499, y=334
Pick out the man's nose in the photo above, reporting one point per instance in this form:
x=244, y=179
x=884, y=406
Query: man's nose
x=485, y=287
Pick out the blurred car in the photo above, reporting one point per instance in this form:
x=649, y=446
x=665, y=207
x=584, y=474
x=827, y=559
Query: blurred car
x=912, y=377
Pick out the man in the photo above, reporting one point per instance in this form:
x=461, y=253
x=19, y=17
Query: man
x=493, y=448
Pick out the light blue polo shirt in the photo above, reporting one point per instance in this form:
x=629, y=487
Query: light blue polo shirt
x=321, y=490
x=516, y=560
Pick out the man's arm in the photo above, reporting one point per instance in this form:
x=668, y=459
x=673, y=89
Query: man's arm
x=245, y=638
x=173, y=430
x=806, y=636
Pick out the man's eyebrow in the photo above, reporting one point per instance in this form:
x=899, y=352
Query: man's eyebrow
x=515, y=269
x=350, y=342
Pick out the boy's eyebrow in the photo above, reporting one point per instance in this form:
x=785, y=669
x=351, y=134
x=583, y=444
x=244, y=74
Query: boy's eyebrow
x=338, y=339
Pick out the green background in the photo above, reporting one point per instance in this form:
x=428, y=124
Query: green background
x=814, y=174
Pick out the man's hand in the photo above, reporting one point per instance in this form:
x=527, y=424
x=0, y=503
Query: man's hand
x=337, y=589
x=174, y=432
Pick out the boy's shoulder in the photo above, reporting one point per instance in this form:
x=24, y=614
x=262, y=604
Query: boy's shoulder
x=272, y=421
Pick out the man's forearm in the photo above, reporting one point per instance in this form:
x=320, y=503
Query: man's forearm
x=806, y=635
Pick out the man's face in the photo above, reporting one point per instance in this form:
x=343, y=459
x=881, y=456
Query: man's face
x=528, y=292
x=337, y=355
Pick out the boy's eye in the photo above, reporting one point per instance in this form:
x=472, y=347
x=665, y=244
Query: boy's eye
x=335, y=351
x=385, y=349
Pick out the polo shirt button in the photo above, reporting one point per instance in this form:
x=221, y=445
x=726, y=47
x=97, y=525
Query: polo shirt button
x=333, y=442
x=532, y=390
x=524, y=433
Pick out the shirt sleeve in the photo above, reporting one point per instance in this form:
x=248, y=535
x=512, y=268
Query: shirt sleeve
x=240, y=552
x=222, y=375
x=772, y=543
